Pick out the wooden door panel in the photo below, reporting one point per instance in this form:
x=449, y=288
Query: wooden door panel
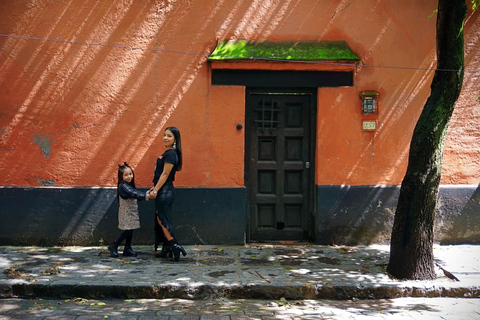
x=278, y=149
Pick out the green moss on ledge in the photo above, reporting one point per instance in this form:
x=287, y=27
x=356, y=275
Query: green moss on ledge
x=283, y=50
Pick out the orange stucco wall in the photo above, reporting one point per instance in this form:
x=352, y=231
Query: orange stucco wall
x=120, y=71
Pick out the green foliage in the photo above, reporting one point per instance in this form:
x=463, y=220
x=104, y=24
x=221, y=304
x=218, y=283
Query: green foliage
x=475, y=5
x=283, y=50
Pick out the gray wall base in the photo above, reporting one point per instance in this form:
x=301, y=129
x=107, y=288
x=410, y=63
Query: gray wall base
x=354, y=215
x=88, y=216
x=345, y=215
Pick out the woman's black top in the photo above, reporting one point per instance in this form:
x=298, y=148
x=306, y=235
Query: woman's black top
x=169, y=156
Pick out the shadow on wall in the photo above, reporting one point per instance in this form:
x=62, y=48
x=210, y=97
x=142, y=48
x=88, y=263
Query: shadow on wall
x=55, y=216
x=100, y=80
x=461, y=225
x=88, y=216
x=98, y=95
x=353, y=215
x=346, y=215
x=362, y=215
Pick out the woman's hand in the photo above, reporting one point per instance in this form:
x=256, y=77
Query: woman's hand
x=152, y=193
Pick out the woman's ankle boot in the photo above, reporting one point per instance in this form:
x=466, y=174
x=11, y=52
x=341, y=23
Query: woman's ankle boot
x=128, y=252
x=177, y=249
x=113, y=250
x=166, y=250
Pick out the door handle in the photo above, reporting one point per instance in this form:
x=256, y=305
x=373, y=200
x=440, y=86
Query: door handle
x=307, y=165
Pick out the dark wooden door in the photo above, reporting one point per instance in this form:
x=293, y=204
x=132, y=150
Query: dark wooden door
x=279, y=169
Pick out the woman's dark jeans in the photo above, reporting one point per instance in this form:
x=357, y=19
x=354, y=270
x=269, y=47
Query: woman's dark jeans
x=163, y=210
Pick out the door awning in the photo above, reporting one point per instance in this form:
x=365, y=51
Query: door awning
x=228, y=50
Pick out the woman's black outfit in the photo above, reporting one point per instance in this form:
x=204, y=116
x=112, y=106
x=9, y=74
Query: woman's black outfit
x=164, y=205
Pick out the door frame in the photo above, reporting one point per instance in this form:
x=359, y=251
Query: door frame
x=313, y=92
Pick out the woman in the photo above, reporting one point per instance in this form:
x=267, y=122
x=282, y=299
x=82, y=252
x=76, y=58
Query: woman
x=164, y=174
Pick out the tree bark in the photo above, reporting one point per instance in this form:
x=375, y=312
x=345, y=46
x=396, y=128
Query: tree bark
x=411, y=246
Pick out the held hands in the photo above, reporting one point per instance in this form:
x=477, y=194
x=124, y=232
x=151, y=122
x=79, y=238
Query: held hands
x=152, y=194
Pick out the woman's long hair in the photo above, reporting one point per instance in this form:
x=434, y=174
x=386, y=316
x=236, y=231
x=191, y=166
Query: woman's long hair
x=121, y=169
x=178, y=146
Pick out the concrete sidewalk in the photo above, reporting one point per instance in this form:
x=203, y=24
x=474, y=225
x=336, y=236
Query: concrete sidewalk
x=257, y=271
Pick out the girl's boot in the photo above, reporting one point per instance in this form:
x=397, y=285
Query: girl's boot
x=113, y=250
x=176, y=249
x=166, y=250
x=128, y=252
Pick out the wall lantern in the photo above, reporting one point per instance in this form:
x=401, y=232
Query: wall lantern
x=369, y=101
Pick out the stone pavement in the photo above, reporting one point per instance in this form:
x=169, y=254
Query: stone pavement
x=256, y=271
x=240, y=309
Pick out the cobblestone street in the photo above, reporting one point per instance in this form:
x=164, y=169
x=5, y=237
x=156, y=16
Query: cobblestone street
x=225, y=309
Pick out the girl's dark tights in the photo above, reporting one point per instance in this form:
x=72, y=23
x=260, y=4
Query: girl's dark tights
x=126, y=235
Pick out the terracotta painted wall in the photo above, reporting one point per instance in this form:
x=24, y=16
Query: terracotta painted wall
x=118, y=72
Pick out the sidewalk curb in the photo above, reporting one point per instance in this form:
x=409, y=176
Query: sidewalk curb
x=204, y=291
x=294, y=272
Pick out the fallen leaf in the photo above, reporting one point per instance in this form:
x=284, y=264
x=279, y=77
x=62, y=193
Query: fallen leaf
x=51, y=270
x=12, y=272
x=283, y=302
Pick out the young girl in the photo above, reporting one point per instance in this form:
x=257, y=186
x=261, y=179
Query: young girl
x=128, y=218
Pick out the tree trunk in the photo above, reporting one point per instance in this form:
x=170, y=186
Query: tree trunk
x=411, y=246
